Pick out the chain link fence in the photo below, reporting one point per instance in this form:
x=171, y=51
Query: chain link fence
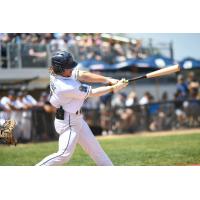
x=38, y=125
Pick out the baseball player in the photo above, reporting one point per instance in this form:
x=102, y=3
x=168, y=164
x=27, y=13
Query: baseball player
x=68, y=94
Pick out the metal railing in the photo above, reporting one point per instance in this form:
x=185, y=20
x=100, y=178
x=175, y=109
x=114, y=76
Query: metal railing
x=26, y=55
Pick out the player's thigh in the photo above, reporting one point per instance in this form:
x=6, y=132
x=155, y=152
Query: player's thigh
x=87, y=140
x=68, y=140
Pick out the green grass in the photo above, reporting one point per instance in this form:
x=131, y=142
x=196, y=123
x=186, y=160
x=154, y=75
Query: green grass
x=125, y=151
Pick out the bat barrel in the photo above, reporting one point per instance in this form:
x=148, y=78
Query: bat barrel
x=164, y=71
x=158, y=73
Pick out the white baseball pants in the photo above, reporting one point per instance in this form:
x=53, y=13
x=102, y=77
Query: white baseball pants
x=73, y=129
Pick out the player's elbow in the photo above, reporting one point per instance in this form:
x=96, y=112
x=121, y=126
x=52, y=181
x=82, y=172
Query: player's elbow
x=84, y=77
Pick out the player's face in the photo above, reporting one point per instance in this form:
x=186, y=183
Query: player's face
x=68, y=72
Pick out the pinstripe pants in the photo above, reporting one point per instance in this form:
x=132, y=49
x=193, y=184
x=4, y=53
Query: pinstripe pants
x=72, y=130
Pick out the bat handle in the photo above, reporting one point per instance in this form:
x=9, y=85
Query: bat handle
x=136, y=78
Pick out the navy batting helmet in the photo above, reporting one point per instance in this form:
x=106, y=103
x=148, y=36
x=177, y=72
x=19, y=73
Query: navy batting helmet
x=62, y=60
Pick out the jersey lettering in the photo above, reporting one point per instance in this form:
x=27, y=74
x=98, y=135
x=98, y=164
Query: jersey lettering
x=83, y=88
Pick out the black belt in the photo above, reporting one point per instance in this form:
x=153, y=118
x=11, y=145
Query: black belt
x=60, y=113
x=78, y=112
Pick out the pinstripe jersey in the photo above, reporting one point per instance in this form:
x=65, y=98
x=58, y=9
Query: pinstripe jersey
x=68, y=92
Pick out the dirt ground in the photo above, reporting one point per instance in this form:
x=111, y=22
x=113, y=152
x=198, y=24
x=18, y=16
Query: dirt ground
x=157, y=133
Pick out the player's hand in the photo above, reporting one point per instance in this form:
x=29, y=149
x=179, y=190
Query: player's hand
x=120, y=85
x=111, y=81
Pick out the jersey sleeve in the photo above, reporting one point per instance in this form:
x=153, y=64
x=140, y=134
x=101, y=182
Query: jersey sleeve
x=78, y=93
x=75, y=73
x=4, y=101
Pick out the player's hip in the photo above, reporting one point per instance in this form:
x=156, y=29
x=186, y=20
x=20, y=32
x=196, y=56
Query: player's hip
x=70, y=122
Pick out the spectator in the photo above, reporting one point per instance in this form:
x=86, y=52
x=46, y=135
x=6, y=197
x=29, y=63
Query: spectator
x=131, y=99
x=180, y=114
x=1, y=106
x=43, y=113
x=130, y=50
x=71, y=42
x=106, y=53
x=5, y=38
x=58, y=43
x=106, y=121
x=147, y=98
x=44, y=103
x=40, y=53
x=192, y=106
x=162, y=119
x=105, y=114
x=97, y=40
x=46, y=38
x=97, y=56
x=164, y=97
x=9, y=101
x=118, y=100
x=193, y=86
x=194, y=90
x=105, y=101
x=166, y=108
x=182, y=87
x=82, y=52
x=23, y=119
x=119, y=53
x=19, y=103
x=126, y=117
x=139, y=50
x=11, y=111
x=28, y=99
x=43, y=99
x=26, y=38
x=190, y=78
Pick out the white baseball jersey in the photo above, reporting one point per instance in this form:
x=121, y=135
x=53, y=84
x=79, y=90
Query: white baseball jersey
x=29, y=100
x=5, y=101
x=19, y=104
x=68, y=92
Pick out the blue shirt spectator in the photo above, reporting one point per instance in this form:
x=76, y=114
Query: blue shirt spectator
x=182, y=87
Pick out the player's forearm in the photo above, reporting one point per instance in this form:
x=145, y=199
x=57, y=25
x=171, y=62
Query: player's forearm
x=11, y=106
x=40, y=54
x=91, y=77
x=100, y=91
x=106, y=89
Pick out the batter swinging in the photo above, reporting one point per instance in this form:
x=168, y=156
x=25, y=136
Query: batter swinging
x=68, y=95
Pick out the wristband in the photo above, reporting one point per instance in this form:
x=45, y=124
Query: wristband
x=107, y=81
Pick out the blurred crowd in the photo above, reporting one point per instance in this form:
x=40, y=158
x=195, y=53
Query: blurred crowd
x=116, y=112
x=83, y=46
x=130, y=113
x=33, y=117
x=111, y=113
x=186, y=97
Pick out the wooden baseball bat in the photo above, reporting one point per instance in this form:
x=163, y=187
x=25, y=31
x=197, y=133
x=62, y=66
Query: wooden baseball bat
x=158, y=73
